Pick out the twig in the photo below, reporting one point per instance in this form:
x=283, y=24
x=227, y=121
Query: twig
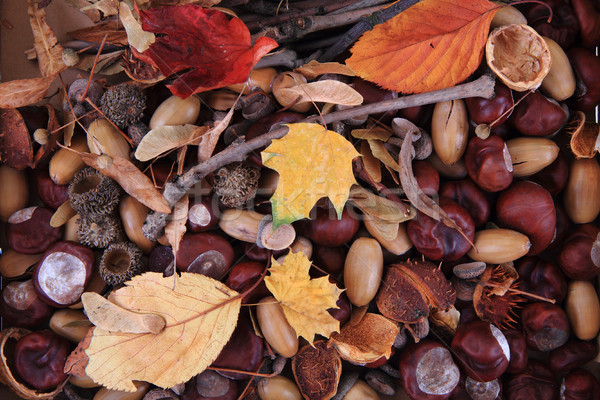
x=155, y=222
x=364, y=25
x=360, y=4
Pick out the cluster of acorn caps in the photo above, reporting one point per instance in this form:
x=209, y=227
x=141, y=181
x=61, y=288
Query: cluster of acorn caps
x=525, y=203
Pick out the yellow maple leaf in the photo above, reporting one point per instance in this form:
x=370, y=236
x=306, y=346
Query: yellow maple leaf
x=312, y=162
x=304, y=300
x=200, y=318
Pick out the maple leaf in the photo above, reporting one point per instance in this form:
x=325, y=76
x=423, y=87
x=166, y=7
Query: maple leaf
x=312, y=162
x=432, y=45
x=217, y=48
x=200, y=317
x=304, y=300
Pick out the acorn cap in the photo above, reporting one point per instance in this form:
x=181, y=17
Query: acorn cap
x=92, y=194
x=120, y=262
x=123, y=104
x=236, y=184
x=98, y=233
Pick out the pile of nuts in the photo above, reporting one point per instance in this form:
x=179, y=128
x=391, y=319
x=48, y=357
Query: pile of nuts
x=506, y=309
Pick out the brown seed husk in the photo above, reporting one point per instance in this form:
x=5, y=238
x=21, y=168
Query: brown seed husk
x=317, y=371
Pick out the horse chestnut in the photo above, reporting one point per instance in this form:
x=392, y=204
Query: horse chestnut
x=495, y=110
x=538, y=115
x=21, y=306
x=518, y=350
x=554, y=177
x=542, y=278
x=327, y=230
x=573, y=354
x=29, y=230
x=470, y=197
x=489, y=163
x=202, y=216
x=50, y=193
x=563, y=28
x=245, y=274
x=545, y=325
x=580, y=385
x=579, y=256
x=586, y=65
x=205, y=253
x=536, y=381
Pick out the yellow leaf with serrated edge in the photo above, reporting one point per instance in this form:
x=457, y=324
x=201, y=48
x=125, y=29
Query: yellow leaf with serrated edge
x=199, y=315
x=312, y=162
x=304, y=300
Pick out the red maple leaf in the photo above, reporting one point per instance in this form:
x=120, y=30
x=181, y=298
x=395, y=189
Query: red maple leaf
x=216, y=48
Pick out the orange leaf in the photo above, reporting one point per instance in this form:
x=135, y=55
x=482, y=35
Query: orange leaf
x=432, y=45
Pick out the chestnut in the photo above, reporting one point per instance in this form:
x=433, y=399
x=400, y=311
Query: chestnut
x=554, y=177
x=63, y=273
x=518, y=350
x=51, y=194
x=436, y=240
x=40, y=359
x=573, y=354
x=202, y=215
x=371, y=93
x=528, y=208
x=204, y=253
x=495, y=110
x=160, y=258
x=326, y=229
x=330, y=259
x=489, y=163
x=243, y=275
x=538, y=115
x=586, y=65
x=209, y=385
x=545, y=325
x=470, y=197
x=542, y=278
x=589, y=22
x=21, y=306
x=482, y=350
x=536, y=381
x=29, y=230
x=580, y=385
x=427, y=177
x=428, y=371
x=483, y=390
x=578, y=257
x=563, y=28
x=344, y=310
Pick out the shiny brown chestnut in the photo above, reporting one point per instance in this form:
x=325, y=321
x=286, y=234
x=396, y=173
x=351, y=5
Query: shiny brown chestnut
x=518, y=350
x=542, y=278
x=427, y=177
x=210, y=386
x=489, y=163
x=536, y=381
x=470, y=197
x=545, y=325
x=29, y=231
x=563, y=28
x=528, y=208
x=326, y=229
x=588, y=17
x=344, y=310
x=51, y=194
x=330, y=259
x=538, y=115
x=160, y=259
x=205, y=253
x=40, y=359
x=437, y=241
x=428, y=371
x=495, y=110
x=371, y=93
x=554, y=177
x=586, y=65
x=563, y=226
x=203, y=215
x=580, y=385
x=579, y=256
x=482, y=350
x=573, y=354
x=21, y=306
x=63, y=273
x=245, y=274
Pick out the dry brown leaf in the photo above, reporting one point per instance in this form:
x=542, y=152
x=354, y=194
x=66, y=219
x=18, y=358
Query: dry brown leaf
x=305, y=301
x=367, y=340
x=48, y=50
x=200, y=314
x=106, y=7
x=315, y=68
x=62, y=214
x=113, y=31
x=380, y=207
x=203, y=3
x=69, y=127
x=326, y=91
x=131, y=179
x=211, y=137
x=106, y=64
x=372, y=133
x=371, y=164
x=175, y=229
x=94, y=15
x=164, y=138
x=24, y=92
x=380, y=152
x=136, y=36
x=110, y=317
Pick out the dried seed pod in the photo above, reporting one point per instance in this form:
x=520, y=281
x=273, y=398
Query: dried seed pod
x=123, y=104
x=494, y=300
x=92, y=194
x=236, y=184
x=317, y=370
x=469, y=270
x=120, y=262
x=100, y=233
x=78, y=88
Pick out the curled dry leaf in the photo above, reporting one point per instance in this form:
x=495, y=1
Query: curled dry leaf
x=136, y=36
x=110, y=317
x=371, y=164
x=131, y=179
x=380, y=152
x=446, y=319
x=585, y=136
x=380, y=207
x=94, y=15
x=106, y=64
x=211, y=137
x=48, y=50
x=24, y=92
x=372, y=133
x=367, y=340
x=317, y=370
x=314, y=68
x=107, y=8
x=62, y=214
x=113, y=31
x=327, y=91
x=200, y=314
x=175, y=229
x=164, y=138
x=411, y=288
x=305, y=301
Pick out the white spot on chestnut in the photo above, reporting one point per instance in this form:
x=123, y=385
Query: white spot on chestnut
x=437, y=373
x=199, y=215
x=19, y=295
x=482, y=390
x=22, y=215
x=501, y=339
x=61, y=277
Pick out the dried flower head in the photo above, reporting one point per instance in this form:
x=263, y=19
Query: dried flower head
x=236, y=184
x=92, y=194
x=99, y=233
x=123, y=104
x=120, y=262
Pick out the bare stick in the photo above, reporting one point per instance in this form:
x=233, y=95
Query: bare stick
x=155, y=223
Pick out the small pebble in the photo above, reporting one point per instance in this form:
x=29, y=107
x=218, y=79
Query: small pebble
x=346, y=383
x=381, y=382
x=464, y=289
x=469, y=270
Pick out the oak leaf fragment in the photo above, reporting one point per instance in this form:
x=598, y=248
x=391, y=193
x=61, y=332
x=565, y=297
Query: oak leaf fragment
x=216, y=48
x=432, y=45
x=200, y=314
x=47, y=49
x=305, y=301
x=312, y=162
x=23, y=92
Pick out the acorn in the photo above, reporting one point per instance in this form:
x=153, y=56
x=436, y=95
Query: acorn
x=123, y=104
x=236, y=184
x=99, y=233
x=92, y=194
x=120, y=262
